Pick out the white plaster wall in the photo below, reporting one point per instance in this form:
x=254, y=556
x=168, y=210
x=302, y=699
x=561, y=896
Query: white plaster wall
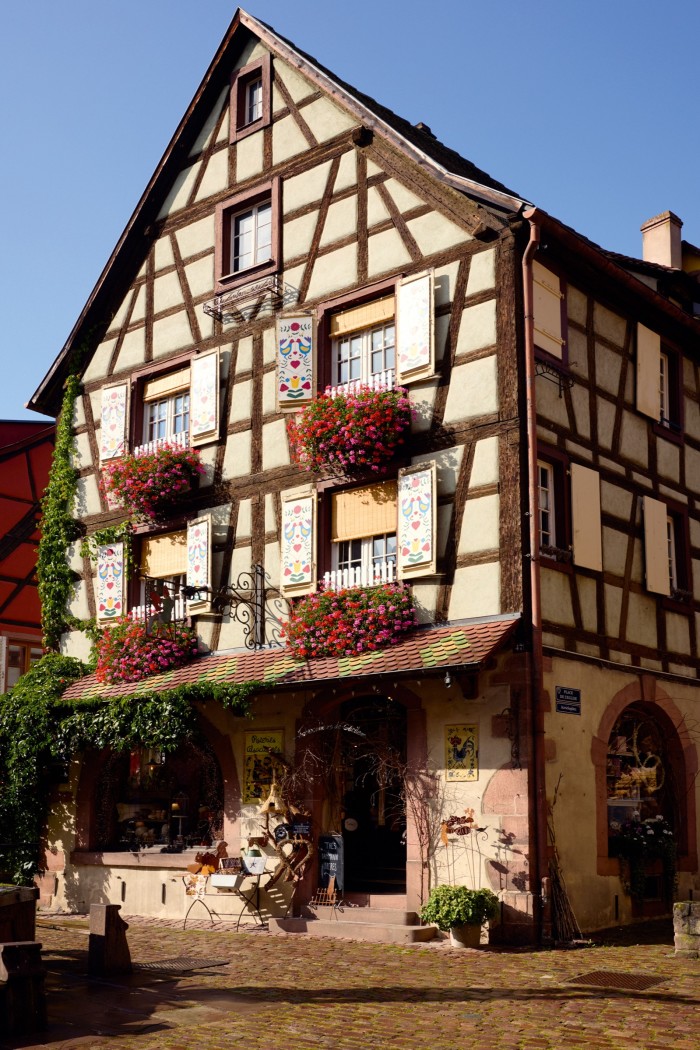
x=237, y=455
x=341, y=221
x=180, y=192
x=334, y=271
x=171, y=333
x=434, y=232
x=480, y=525
x=476, y=591
x=327, y=120
x=482, y=272
x=249, y=156
x=473, y=390
x=305, y=188
x=485, y=464
x=287, y=140
x=477, y=328
x=215, y=178
x=275, y=448
x=196, y=237
x=386, y=251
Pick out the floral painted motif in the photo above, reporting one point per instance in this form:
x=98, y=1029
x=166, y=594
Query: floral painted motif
x=110, y=581
x=297, y=542
x=295, y=359
x=198, y=553
x=113, y=428
x=204, y=396
x=415, y=540
x=415, y=305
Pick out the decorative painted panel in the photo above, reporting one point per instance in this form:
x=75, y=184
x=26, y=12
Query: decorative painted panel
x=416, y=525
x=204, y=398
x=295, y=360
x=298, y=556
x=199, y=561
x=415, y=328
x=110, y=582
x=461, y=752
x=113, y=428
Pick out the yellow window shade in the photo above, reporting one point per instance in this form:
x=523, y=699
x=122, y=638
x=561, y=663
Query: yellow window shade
x=368, y=511
x=164, y=386
x=365, y=316
x=164, y=555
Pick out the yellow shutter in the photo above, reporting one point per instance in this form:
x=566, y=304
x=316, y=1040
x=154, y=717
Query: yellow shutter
x=658, y=578
x=366, y=316
x=367, y=511
x=648, y=372
x=166, y=385
x=547, y=300
x=585, y=517
x=164, y=555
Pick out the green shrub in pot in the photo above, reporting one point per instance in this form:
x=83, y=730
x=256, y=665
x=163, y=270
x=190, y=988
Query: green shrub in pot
x=453, y=906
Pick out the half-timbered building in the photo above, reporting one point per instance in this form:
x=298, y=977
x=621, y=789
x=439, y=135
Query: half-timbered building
x=295, y=236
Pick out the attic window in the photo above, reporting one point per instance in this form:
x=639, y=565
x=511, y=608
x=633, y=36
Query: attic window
x=250, y=100
x=247, y=236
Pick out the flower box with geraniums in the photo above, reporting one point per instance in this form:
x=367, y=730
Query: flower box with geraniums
x=461, y=911
x=641, y=842
x=351, y=432
x=150, y=484
x=352, y=621
x=132, y=650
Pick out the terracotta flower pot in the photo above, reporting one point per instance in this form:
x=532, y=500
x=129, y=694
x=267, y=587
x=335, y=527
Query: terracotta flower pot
x=467, y=936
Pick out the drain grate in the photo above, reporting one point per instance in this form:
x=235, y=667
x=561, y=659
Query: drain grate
x=611, y=979
x=183, y=964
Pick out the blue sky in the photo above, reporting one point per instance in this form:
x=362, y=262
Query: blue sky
x=586, y=109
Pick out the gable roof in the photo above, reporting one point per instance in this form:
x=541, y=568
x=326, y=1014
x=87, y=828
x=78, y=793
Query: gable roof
x=419, y=145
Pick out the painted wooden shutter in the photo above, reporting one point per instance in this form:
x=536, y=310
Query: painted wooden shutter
x=415, y=328
x=204, y=398
x=199, y=562
x=298, y=542
x=416, y=521
x=3, y=663
x=110, y=582
x=648, y=372
x=113, y=424
x=296, y=353
x=585, y=517
x=547, y=302
x=658, y=577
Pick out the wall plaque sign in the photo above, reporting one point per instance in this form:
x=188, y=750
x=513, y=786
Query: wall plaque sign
x=567, y=701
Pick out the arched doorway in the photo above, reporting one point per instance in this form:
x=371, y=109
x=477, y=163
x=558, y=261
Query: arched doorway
x=373, y=805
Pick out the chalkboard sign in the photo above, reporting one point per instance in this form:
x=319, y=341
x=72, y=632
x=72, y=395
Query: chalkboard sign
x=301, y=826
x=233, y=865
x=331, y=860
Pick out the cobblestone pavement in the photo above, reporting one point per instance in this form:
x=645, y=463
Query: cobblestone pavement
x=264, y=992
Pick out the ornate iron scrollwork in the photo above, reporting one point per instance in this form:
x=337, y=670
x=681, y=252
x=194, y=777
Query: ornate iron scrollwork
x=260, y=608
x=258, y=299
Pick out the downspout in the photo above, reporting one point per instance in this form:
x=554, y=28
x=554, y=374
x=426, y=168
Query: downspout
x=539, y=873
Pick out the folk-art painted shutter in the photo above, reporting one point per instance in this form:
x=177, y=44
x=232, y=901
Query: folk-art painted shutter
x=415, y=327
x=3, y=663
x=199, y=562
x=110, y=582
x=296, y=353
x=585, y=517
x=416, y=529
x=115, y=403
x=547, y=302
x=648, y=372
x=298, y=543
x=656, y=554
x=204, y=398
x=367, y=511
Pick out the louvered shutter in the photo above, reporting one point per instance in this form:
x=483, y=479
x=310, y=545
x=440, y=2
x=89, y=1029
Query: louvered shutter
x=658, y=576
x=296, y=352
x=547, y=307
x=298, y=543
x=415, y=328
x=648, y=372
x=199, y=563
x=585, y=517
x=416, y=521
x=110, y=582
x=113, y=422
x=204, y=398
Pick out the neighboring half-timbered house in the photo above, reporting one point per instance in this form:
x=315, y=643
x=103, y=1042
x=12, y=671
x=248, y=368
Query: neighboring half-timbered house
x=297, y=236
x=25, y=458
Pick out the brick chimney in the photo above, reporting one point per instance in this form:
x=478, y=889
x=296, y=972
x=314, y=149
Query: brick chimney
x=661, y=240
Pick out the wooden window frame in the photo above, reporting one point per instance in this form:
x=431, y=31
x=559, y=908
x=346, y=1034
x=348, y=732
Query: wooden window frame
x=139, y=378
x=225, y=211
x=562, y=363
x=681, y=598
x=561, y=557
x=325, y=311
x=671, y=428
x=326, y=490
x=241, y=79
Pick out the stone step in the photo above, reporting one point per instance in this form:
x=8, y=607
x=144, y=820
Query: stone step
x=348, y=913
x=381, y=932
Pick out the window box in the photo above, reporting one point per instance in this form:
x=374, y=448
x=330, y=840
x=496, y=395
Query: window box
x=130, y=650
x=151, y=483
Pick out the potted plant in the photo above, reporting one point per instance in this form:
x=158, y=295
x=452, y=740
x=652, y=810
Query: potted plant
x=150, y=484
x=460, y=911
x=131, y=650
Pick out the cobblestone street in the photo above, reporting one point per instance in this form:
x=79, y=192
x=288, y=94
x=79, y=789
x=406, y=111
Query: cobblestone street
x=217, y=988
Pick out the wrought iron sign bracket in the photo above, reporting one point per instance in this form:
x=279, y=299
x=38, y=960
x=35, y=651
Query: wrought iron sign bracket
x=554, y=375
x=258, y=299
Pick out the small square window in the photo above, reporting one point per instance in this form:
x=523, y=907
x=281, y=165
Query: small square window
x=250, y=100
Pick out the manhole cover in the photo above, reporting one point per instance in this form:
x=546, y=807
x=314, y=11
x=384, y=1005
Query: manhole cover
x=183, y=964
x=611, y=979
